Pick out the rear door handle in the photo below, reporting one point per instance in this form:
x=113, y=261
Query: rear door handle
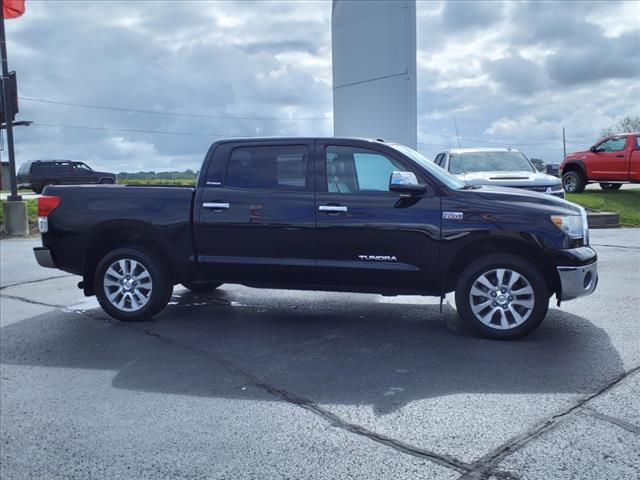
x=216, y=205
x=333, y=208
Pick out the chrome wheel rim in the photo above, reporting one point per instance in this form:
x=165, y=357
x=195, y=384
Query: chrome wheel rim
x=502, y=299
x=569, y=183
x=127, y=285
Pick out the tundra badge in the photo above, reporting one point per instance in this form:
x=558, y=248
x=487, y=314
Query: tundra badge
x=452, y=215
x=379, y=258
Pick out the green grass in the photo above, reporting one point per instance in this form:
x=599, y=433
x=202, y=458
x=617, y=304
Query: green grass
x=159, y=181
x=624, y=202
x=32, y=215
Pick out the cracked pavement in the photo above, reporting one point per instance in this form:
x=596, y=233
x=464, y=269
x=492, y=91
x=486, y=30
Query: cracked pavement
x=247, y=383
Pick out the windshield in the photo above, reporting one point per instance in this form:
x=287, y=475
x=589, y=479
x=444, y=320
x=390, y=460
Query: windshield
x=489, y=162
x=438, y=172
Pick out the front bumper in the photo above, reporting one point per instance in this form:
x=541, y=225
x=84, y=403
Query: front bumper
x=43, y=257
x=577, y=281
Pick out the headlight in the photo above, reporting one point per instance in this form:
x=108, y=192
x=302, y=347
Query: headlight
x=574, y=226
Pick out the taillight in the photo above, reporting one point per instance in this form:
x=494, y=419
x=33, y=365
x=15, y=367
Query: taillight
x=47, y=204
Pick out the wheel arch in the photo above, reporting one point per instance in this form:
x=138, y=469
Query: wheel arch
x=125, y=233
x=528, y=249
x=576, y=166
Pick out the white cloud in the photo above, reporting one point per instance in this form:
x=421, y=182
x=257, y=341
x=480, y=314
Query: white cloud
x=522, y=127
x=513, y=72
x=120, y=147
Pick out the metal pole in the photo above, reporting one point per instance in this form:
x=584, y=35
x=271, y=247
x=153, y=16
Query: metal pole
x=564, y=143
x=8, y=116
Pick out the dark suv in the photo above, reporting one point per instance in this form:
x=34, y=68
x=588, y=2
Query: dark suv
x=39, y=173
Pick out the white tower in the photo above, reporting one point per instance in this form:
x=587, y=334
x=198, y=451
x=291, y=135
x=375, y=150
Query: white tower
x=374, y=69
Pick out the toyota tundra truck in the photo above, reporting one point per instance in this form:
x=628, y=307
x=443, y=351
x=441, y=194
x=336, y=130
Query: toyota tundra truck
x=612, y=161
x=333, y=214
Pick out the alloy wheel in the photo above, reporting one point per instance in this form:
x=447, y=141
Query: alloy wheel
x=502, y=298
x=127, y=285
x=570, y=183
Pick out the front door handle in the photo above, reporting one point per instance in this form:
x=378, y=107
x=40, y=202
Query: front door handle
x=333, y=208
x=620, y=156
x=218, y=206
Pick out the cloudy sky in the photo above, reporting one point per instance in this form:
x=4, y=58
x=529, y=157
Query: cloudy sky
x=152, y=84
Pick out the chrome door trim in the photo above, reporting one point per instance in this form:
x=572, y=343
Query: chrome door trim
x=332, y=208
x=216, y=205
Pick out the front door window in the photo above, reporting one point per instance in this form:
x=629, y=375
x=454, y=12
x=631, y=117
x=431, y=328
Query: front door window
x=354, y=170
x=612, y=145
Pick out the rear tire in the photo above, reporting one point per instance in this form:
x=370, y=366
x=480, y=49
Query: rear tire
x=108, y=181
x=573, y=182
x=501, y=297
x=204, y=287
x=131, y=284
x=610, y=186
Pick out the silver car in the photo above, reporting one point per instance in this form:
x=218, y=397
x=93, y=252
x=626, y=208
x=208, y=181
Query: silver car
x=503, y=167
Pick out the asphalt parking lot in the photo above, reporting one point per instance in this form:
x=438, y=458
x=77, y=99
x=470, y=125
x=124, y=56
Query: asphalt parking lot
x=267, y=384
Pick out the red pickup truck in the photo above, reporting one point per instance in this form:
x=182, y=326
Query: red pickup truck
x=612, y=161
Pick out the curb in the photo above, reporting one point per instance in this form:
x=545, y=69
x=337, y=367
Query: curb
x=603, y=219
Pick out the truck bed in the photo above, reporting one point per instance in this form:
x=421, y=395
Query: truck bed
x=89, y=213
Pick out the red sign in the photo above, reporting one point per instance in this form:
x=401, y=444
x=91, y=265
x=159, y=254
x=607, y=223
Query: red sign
x=12, y=8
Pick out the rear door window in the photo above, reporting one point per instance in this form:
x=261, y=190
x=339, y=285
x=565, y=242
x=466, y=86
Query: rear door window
x=268, y=168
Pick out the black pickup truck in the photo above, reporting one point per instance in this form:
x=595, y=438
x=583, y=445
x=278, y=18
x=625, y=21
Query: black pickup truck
x=338, y=214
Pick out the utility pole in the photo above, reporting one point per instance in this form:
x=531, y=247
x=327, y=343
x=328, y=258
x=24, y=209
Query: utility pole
x=455, y=122
x=14, y=209
x=564, y=144
x=8, y=113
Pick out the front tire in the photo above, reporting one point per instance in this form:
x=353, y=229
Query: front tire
x=573, y=182
x=501, y=297
x=132, y=284
x=610, y=186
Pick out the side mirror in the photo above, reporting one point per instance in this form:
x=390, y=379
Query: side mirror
x=406, y=182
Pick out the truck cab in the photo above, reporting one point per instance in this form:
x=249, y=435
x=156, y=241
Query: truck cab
x=611, y=162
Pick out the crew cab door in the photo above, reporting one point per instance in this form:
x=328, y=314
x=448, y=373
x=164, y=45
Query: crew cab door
x=63, y=172
x=82, y=173
x=634, y=160
x=254, y=213
x=609, y=160
x=367, y=236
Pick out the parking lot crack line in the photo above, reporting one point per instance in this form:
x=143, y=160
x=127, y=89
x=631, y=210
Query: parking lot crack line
x=627, y=247
x=614, y=420
x=310, y=406
x=487, y=463
x=28, y=282
x=33, y=302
